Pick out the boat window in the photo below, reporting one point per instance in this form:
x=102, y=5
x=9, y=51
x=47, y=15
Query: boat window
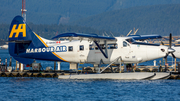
x=91, y=47
x=124, y=44
x=130, y=40
x=81, y=47
x=70, y=48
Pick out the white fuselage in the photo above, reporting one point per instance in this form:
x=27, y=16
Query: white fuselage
x=87, y=52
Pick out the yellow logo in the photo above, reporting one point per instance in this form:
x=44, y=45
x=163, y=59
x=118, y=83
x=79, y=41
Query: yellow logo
x=21, y=28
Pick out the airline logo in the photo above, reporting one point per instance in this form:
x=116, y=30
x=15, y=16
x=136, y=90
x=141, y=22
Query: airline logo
x=47, y=49
x=21, y=29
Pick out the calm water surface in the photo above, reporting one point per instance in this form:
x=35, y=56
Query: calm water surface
x=49, y=89
x=53, y=89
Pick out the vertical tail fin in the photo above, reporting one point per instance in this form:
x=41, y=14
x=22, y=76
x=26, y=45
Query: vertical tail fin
x=20, y=38
x=19, y=31
x=23, y=39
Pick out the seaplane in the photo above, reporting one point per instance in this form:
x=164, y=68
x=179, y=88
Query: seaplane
x=26, y=46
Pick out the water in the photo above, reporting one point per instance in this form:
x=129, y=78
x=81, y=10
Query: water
x=49, y=89
x=53, y=89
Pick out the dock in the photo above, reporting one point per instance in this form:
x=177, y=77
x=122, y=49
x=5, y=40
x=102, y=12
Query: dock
x=113, y=72
x=56, y=74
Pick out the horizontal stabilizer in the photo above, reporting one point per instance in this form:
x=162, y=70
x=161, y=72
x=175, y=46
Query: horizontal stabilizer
x=24, y=60
x=21, y=41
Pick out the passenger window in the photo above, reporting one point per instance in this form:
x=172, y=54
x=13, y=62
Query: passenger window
x=91, y=47
x=81, y=47
x=70, y=48
x=96, y=48
x=124, y=44
x=102, y=46
x=112, y=46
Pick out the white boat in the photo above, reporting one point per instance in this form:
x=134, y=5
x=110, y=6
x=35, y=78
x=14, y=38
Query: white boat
x=4, y=47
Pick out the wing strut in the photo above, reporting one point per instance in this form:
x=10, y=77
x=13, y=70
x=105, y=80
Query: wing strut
x=106, y=47
x=105, y=54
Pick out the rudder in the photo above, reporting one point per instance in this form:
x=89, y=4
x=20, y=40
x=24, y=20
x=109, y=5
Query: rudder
x=20, y=37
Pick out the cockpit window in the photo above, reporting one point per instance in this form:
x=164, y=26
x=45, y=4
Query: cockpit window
x=81, y=47
x=130, y=40
x=124, y=44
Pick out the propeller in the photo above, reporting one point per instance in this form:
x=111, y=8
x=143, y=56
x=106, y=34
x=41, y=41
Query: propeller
x=170, y=50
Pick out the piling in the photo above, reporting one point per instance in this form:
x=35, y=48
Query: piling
x=19, y=66
x=0, y=64
x=178, y=67
x=10, y=61
x=6, y=62
x=59, y=65
x=54, y=65
x=16, y=66
x=175, y=65
x=154, y=62
x=22, y=67
x=135, y=65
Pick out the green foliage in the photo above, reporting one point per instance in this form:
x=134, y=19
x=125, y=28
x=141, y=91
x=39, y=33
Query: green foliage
x=116, y=16
x=160, y=19
x=51, y=11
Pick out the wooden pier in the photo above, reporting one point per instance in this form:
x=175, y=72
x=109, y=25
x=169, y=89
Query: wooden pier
x=5, y=72
x=55, y=74
x=32, y=74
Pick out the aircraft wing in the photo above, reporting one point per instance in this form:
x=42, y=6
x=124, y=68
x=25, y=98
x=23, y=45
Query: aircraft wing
x=144, y=37
x=81, y=36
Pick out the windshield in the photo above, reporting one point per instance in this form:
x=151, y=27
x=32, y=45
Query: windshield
x=130, y=40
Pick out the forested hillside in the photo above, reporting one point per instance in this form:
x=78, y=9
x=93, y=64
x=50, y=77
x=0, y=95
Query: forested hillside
x=65, y=11
x=160, y=19
x=94, y=16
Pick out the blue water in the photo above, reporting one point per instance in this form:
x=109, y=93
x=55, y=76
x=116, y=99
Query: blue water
x=53, y=89
x=49, y=89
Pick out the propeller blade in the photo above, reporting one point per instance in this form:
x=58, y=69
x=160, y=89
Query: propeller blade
x=170, y=40
x=166, y=55
x=162, y=43
x=173, y=55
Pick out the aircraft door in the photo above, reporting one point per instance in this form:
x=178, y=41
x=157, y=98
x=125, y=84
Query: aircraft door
x=125, y=50
x=82, y=53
